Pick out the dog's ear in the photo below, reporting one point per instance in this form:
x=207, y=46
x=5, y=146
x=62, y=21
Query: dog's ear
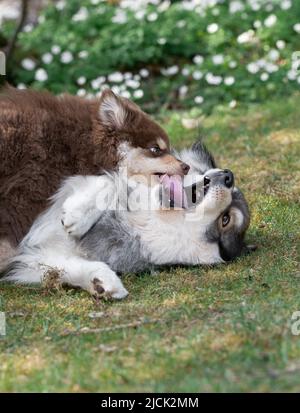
x=203, y=154
x=116, y=112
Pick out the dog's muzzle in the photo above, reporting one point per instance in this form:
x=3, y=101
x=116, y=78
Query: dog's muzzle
x=197, y=186
x=220, y=177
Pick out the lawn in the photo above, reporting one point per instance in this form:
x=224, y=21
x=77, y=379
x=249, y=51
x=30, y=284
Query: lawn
x=220, y=329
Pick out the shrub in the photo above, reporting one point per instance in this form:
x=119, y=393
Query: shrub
x=176, y=54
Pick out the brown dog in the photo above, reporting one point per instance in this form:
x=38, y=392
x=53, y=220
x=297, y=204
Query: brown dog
x=44, y=139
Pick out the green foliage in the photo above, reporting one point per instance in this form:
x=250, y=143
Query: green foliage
x=175, y=54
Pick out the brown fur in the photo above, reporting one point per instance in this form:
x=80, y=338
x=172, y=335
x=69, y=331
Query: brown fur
x=44, y=139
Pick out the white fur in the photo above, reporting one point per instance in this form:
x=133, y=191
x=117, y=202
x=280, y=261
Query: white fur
x=47, y=245
x=112, y=112
x=168, y=237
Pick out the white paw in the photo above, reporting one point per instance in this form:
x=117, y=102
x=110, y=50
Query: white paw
x=77, y=217
x=99, y=288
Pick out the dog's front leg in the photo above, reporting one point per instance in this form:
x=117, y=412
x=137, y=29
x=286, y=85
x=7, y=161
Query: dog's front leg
x=84, y=207
x=93, y=276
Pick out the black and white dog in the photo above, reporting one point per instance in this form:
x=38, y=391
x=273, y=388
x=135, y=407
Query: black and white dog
x=99, y=226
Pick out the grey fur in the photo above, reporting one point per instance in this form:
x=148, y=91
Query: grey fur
x=115, y=243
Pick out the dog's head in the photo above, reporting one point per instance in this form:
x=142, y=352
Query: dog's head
x=143, y=146
x=213, y=198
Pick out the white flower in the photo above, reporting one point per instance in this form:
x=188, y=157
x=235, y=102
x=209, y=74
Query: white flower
x=232, y=104
x=66, y=57
x=199, y=100
x=144, y=72
x=271, y=67
x=280, y=44
x=116, y=77
x=41, y=19
x=127, y=75
x=270, y=20
x=257, y=24
x=162, y=40
x=120, y=17
x=213, y=80
x=292, y=74
x=269, y=7
x=261, y=63
x=185, y=71
x=133, y=84
x=81, y=15
x=212, y=28
x=229, y=80
x=255, y=5
x=273, y=55
x=138, y=94
x=183, y=90
x=236, y=6
x=180, y=24
x=232, y=64
x=246, y=37
x=28, y=64
x=170, y=71
x=139, y=15
x=60, y=5
x=21, y=86
x=296, y=27
x=81, y=92
x=164, y=6
x=96, y=83
x=198, y=59
x=152, y=17
x=81, y=80
x=286, y=4
x=55, y=49
x=197, y=75
x=264, y=76
x=126, y=94
x=298, y=79
x=47, y=58
x=218, y=59
x=41, y=75
x=83, y=54
x=253, y=68
x=28, y=28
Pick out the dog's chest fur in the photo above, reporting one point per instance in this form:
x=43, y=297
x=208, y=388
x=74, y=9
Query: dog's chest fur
x=129, y=242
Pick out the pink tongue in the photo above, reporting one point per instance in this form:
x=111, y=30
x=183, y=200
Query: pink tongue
x=173, y=186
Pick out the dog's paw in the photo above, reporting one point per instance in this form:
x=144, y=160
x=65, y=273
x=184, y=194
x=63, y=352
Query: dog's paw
x=101, y=289
x=77, y=218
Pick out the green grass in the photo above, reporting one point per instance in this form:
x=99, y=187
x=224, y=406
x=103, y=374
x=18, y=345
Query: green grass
x=221, y=329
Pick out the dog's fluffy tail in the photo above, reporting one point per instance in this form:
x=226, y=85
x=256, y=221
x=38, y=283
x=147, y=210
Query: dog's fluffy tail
x=22, y=269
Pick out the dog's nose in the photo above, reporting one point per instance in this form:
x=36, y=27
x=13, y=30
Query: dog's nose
x=228, y=178
x=185, y=168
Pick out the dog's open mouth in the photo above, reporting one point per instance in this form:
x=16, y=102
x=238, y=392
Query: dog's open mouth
x=172, y=191
x=176, y=192
x=195, y=188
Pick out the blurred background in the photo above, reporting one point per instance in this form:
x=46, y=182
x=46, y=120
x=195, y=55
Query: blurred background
x=160, y=53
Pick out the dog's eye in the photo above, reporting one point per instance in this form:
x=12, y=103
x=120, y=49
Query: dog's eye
x=155, y=150
x=225, y=220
